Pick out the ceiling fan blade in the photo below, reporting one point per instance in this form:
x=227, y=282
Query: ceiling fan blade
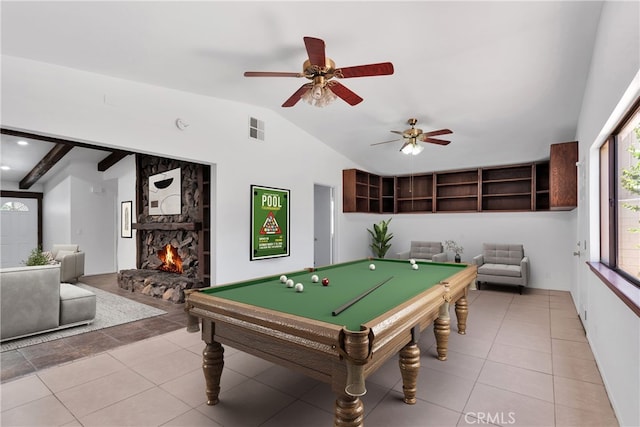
x=435, y=141
x=346, y=94
x=385, y=142
x=399, y=132
x=297, y=95
x=381, y=69
x=271, y=74
x=315, y=50
x=438, y=132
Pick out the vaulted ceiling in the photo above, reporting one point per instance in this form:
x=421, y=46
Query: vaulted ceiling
x=506, y=77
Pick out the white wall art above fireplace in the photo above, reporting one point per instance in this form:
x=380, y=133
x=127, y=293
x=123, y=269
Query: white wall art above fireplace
x=165, y=193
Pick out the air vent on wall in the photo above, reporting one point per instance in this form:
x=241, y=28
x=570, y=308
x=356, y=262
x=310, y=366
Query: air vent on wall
x=256, y=129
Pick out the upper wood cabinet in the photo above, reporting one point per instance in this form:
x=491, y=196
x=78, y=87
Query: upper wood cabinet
x=563, y=176
x=360, y=191
x=538, y=186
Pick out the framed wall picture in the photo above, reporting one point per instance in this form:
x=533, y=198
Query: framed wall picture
x=125, y=219
x=165, y=193
x=269, y=222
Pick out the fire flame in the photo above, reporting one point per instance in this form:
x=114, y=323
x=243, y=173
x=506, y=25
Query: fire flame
x=171, y=261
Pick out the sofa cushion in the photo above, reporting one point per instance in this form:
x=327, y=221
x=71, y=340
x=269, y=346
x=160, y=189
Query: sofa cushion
x=62, y=254
x=500, y=270
x=76, y=304
x=425, y=250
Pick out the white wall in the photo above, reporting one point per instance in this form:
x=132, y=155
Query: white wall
x=124, y=172
x=82, y=106
x=613, y=330
x=79, y=207
x=548, y=237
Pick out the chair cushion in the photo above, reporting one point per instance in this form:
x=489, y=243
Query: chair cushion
x=500, y=270
x=425, y=250
x=503, y=253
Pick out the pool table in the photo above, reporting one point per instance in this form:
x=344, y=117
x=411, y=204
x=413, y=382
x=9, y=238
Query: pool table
x=384, y=311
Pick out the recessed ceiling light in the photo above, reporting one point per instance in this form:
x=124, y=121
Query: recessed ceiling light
x=5, y=168
x=22, y=142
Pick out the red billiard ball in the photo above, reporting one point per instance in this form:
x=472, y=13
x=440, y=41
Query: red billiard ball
x=325, y=282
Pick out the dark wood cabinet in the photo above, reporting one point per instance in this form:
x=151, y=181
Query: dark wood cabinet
x=536, y=186
x=457, y=191
x=360, y=191
x=563, y=176
x=414, y=193
x=508, y=188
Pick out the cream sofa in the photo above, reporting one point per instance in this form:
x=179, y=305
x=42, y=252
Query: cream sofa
x=420, y=250
x=34, y=301
x=71, y=260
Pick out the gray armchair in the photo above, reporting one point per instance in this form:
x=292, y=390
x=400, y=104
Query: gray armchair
x=71, y=260
x=430, y=251
x=504, y=264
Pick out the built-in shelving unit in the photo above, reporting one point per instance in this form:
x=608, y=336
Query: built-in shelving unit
x=414, y=193
x=537, y=186
x=508, y=188
x=457, y=191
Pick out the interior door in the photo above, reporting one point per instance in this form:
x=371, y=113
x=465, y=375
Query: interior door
x=18, y=230
x=323, y=211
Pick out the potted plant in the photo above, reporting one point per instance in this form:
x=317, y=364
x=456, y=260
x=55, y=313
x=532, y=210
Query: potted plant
x=380, y=238
x=37, y=257
x=451, y=245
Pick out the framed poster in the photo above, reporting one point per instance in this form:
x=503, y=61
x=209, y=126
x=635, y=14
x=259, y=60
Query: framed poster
x=269, y=222
x=125, y=220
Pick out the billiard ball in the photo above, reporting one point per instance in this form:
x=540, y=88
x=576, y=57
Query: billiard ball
x=314, y=278
x=299, y=287
x=412, y=261
x=414, y=266
x=325, y=282
x=372, y=266
x=289, y=283
x=283, y=279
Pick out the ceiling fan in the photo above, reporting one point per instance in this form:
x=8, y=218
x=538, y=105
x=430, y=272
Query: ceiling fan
x=413, y=135
x=322, y=90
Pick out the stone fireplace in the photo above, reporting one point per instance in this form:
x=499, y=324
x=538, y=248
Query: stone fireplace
x=172, y=249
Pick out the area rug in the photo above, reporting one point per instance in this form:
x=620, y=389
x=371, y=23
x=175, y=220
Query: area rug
x=111, y=310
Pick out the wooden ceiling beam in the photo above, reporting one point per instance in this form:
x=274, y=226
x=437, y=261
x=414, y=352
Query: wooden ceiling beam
x=48, y=161
x=111, y=160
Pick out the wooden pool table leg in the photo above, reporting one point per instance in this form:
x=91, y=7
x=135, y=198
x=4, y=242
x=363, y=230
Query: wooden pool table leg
x=409, y=368
x=442, y=329
x=462, y=309
x=349, y=411
x=212, y=362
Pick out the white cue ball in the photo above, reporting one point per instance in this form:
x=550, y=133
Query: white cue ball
x=283, y=279
x=414, y=266
x=372, y=266
x=289, y=283
x=299, y=287
x=412, y=261
x=315, y=278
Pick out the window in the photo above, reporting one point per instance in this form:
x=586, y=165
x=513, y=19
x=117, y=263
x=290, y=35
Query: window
x=14, y=207
x=620, y=198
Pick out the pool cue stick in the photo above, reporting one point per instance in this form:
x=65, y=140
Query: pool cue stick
x=358, y=298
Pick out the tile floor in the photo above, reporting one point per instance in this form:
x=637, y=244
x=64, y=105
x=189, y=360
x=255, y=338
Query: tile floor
x=524, y=361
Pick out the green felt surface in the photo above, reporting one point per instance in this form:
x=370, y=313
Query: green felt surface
x=346, y=281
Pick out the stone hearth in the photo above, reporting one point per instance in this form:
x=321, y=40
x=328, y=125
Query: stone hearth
x=158, y=284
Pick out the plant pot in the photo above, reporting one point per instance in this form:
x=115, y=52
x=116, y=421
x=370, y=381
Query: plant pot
x=457, y=258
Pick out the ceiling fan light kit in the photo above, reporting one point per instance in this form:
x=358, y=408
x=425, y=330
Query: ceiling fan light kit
x=320, y=70
x=413, y=135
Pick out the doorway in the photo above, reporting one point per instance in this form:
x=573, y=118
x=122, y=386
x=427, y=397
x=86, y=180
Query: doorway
x=323, y=225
